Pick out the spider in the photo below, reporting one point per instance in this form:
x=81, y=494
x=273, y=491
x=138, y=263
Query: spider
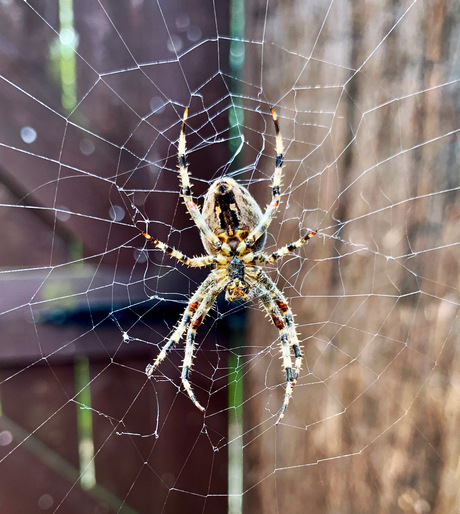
x=233, y=232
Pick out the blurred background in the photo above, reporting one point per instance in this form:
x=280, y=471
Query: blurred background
x=91, y=99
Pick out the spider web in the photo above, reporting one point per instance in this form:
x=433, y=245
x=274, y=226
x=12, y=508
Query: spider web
x=92, y=98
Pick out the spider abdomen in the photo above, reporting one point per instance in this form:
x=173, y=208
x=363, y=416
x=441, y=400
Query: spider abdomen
x=231, y=213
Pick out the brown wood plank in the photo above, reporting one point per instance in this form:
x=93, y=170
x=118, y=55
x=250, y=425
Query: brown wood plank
x=62, y=195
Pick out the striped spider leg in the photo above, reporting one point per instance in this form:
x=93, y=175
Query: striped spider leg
x=272, y=207
x=277, y=307
x=261, y=258
x=186, y=190
x=199, y=305
x=233, y=232
x=219, y=280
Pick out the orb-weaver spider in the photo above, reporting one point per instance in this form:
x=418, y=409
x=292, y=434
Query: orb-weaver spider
x=233, y=232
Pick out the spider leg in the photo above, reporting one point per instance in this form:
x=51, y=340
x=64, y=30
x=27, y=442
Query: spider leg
x=190, y=310
x=273, y=205
x=261, y=258
x=279, y=311
x=195, y=262
x=207, y=302
x=186, y=190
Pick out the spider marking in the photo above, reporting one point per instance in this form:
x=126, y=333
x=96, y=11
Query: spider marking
x=233, y=232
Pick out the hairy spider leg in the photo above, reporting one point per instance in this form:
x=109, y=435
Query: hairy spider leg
x=187, y=193
x=272, y=207
x=192, y=307
x=279, y=311
x=262, y=258
x=193, y=262
x=206, y=304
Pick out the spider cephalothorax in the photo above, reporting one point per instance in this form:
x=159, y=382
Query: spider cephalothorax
x=233, y=231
